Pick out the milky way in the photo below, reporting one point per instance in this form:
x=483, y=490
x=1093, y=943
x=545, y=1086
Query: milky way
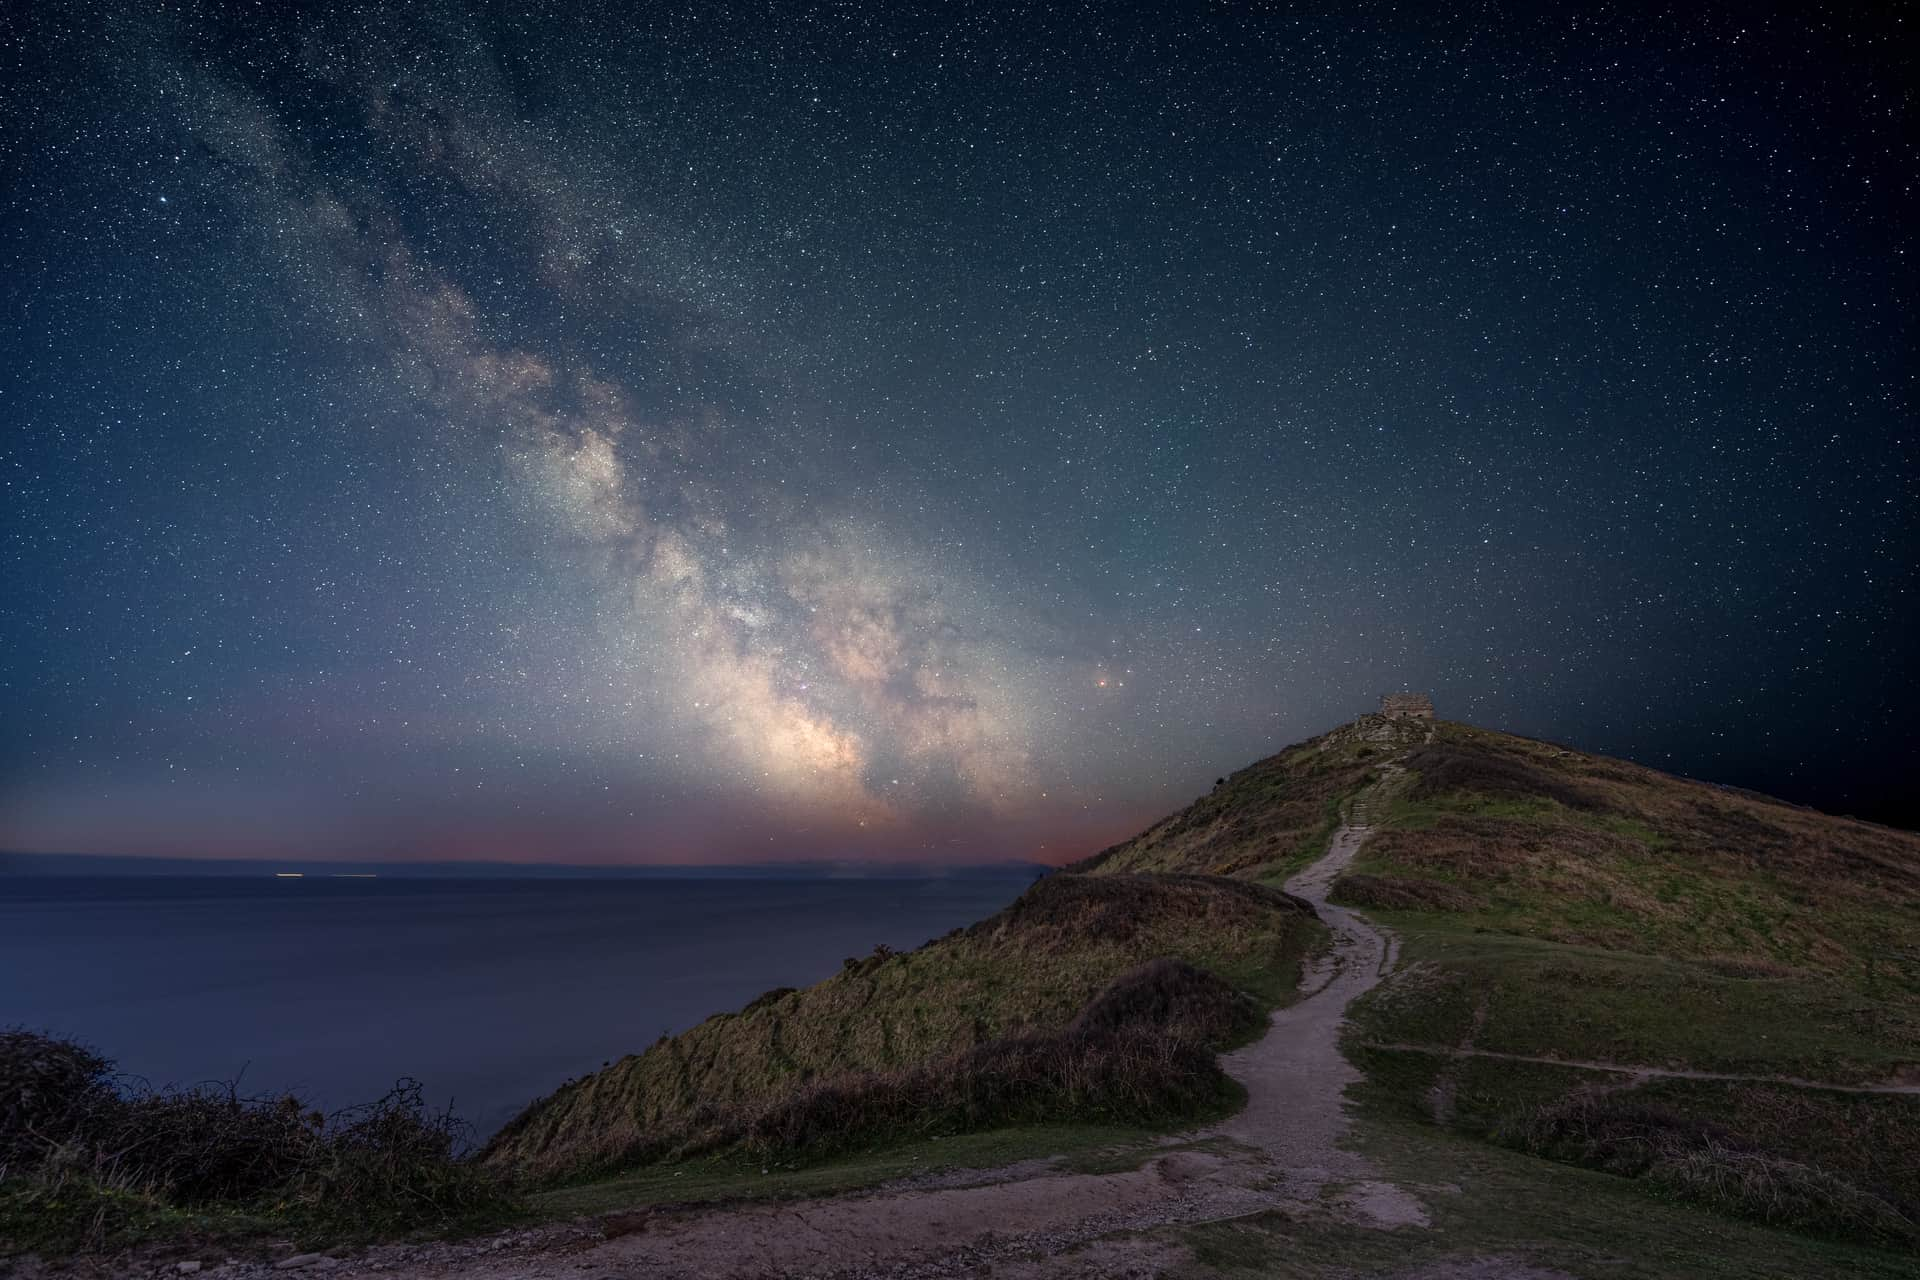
x=781, y=432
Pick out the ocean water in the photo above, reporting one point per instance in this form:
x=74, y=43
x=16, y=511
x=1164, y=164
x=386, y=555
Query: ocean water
x=490, y=992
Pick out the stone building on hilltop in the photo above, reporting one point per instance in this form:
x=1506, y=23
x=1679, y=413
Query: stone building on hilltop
x=1406, y=706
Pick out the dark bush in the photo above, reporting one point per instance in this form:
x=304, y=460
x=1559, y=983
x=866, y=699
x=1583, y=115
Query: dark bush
x=1123, y=1077
x=1064, y=909
x=1140, y=1052
x=395, y=1162
x=1175, y=999
x=48, y=1088
x=205, y=1145
x=75, y=1137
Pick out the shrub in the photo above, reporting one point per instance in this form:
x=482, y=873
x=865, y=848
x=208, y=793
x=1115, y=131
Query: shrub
x=1029, y=969
x=79, y=1142
x=1128, y=1077
x=1063, y=912
x=1698, y=1160
x=395, y=1162
x=48, y=1087
x=206, y=1145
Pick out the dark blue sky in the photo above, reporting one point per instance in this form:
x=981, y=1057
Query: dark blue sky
x=612, y=433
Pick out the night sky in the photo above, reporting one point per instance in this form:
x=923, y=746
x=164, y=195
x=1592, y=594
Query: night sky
x=724, y=432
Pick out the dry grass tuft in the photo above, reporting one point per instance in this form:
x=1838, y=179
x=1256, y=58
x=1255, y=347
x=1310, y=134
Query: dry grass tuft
x=1698, y=1160
x=1017, y=978
x=1401, y=893
x=1140, y=1053
x=1444, y=766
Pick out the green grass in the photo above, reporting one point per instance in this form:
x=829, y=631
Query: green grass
x=1858, y=1136
x=1552, y=844
x=1083, y=1148
x=1538, y=997
x=1568, y=906
x=1522, y=996
x=1485, y=1202
x=80, y=1215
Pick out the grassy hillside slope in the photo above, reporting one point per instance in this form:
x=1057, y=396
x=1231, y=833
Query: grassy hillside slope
x=1531, y=839
x=1561, y=906
x=1588, y=912
x=879, y=1045
x=1595, y=909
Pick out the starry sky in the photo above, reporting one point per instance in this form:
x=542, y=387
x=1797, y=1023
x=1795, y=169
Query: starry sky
x=725, y=432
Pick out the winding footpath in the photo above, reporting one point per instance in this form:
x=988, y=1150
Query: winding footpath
x=1283, y=1151
x=1295, y=1075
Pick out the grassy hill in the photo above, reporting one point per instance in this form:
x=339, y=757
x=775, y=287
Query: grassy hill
x=1561, y=913
x=1561, y=906
x=1579, y=933
x=1041, y=1012
x=1556, y=903
x=1529, y=839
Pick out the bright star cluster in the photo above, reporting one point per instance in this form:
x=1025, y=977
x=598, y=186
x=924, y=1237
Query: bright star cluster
x=730, y=432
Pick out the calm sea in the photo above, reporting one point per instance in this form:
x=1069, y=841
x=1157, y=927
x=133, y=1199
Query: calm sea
x=491, y=992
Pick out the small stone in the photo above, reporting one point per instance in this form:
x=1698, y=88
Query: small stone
x=188, y=1267
x=298, y=1260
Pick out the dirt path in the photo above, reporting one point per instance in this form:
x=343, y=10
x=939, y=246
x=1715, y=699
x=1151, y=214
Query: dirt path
x=1643, y=1072
x=1295, y=1074
x=1283, y=1151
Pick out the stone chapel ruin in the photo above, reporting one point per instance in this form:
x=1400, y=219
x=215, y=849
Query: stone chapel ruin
x=1406, y=706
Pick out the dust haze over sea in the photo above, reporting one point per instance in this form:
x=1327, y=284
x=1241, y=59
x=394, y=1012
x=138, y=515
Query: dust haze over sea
x=491, y=992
